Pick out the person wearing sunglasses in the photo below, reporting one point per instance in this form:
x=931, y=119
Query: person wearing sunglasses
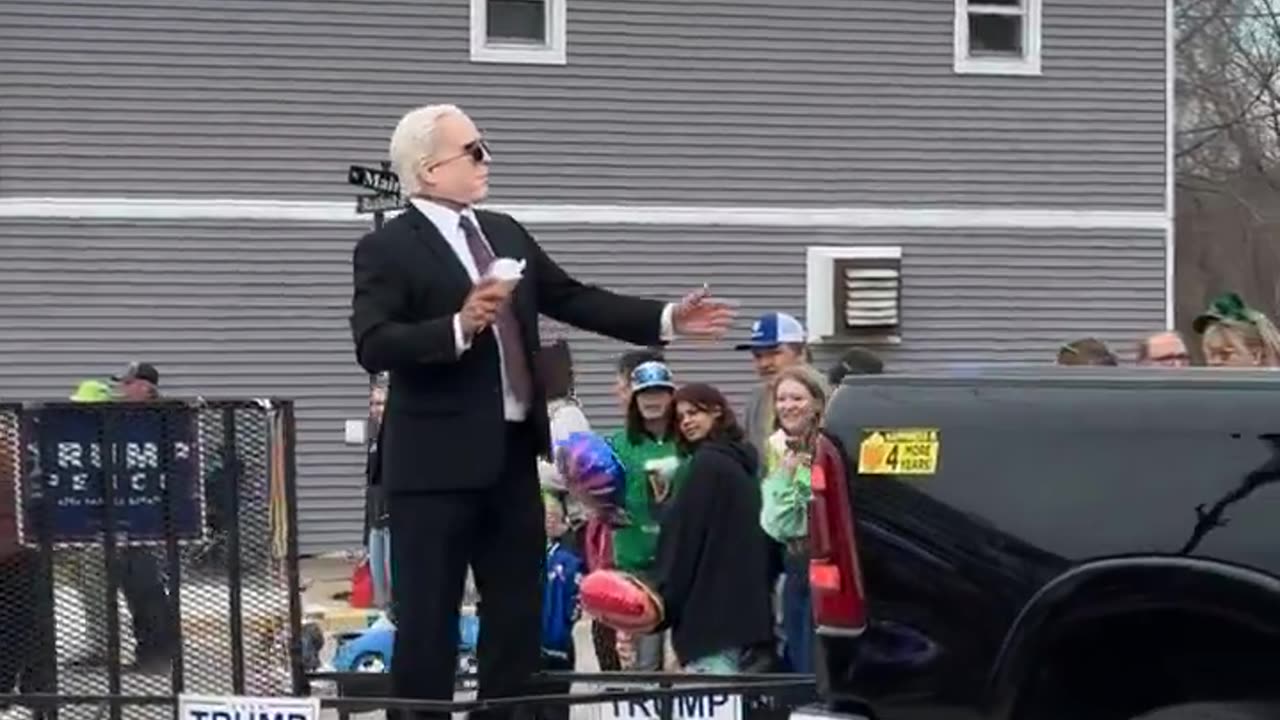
x=446, y=298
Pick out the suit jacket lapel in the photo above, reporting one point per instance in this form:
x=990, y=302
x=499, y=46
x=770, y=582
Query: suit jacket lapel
x=432, y=238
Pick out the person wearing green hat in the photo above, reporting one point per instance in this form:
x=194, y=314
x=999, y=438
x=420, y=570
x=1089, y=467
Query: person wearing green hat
x=1236, y=335
x=92, y=391
x=141, y=583
x=646, y=446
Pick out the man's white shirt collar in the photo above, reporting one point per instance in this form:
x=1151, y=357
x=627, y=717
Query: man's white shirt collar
x=445, y=218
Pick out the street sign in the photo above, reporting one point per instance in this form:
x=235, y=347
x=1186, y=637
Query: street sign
x=384, y=182
x=366, y=204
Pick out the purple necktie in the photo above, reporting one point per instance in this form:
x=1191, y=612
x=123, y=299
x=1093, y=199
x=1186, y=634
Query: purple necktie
x=508, y=327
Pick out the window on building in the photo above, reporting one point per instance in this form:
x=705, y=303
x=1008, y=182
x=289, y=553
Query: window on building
x=518, y=31
x=997, y=37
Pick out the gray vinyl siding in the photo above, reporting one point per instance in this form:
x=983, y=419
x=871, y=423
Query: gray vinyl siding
x=223, y=311
x=260, y=309
x=737, y=102
x=761, y=103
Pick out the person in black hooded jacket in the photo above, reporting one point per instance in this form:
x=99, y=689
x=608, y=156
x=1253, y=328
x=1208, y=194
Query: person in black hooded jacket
x=712, y=567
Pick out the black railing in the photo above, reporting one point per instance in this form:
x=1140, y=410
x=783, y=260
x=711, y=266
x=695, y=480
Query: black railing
x=763, y=697
x=185, y=510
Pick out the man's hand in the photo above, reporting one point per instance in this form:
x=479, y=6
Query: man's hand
x=700, y=315
x=481, y=306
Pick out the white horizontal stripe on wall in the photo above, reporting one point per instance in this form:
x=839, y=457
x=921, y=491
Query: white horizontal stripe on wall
x=105, y=208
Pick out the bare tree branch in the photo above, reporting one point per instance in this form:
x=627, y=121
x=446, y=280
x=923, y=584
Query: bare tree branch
x=1228, y=151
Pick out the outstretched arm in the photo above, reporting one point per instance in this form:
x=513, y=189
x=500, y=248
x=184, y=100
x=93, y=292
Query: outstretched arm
x=630, y=319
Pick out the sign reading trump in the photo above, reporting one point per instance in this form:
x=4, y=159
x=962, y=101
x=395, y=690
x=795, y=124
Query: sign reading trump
x=207, y=707
x=148, y=456
x=713, y=706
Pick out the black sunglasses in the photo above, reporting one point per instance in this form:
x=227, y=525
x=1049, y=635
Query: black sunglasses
x=477, y=150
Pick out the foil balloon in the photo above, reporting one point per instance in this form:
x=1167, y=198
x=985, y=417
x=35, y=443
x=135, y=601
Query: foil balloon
x=621, y=601
x=593, y=475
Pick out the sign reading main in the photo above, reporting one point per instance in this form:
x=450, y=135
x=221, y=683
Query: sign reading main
x=155, y=493
x=381, y=181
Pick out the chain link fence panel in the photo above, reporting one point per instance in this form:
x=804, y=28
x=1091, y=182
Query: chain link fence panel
x=148, y=549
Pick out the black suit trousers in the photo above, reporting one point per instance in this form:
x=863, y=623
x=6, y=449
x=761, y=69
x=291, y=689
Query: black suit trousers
x=498, y=531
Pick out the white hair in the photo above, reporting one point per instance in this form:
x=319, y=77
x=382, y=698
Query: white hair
x=414, y=142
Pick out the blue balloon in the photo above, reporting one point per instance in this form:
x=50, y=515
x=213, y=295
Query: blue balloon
x=593, y=474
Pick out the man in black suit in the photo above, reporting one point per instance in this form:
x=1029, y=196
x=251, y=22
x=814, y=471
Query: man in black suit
x=466, y=417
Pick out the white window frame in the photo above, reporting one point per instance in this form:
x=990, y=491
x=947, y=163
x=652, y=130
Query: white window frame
x=553, y=52
x=1028, y=64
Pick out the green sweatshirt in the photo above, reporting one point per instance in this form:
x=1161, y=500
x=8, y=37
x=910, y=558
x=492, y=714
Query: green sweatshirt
x=634, y=545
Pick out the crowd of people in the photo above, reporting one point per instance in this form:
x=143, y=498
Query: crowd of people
x=446, y=298
x=1231, y=334
x=698, y=474
x=716, y=507
x=446, y=301
x=717, y=501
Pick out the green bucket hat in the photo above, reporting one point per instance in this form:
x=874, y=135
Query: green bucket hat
x=1228, y=307
x=89, y=391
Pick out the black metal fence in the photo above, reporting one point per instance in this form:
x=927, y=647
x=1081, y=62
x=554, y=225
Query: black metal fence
x=148, y=550
x=606, y=696
x=596, y=696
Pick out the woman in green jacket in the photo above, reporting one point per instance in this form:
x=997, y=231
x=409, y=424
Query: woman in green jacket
x=800, y=396
x=647, y=450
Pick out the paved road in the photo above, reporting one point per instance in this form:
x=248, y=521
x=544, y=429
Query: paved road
x=211, y=678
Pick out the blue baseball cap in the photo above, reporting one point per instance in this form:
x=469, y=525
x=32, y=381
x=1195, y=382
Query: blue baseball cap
x=652, y=374
x=774, y=329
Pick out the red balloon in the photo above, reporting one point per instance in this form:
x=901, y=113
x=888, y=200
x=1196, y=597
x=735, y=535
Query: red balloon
x=620, y=601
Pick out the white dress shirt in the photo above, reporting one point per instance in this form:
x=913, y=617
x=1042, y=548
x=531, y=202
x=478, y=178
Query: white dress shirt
x=449, y=222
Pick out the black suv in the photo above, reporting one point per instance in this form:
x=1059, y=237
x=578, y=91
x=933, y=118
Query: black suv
x=1049, y=544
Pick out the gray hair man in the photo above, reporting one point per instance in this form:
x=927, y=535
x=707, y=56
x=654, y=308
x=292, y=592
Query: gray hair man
x=1164, y=349
x=446, y=297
